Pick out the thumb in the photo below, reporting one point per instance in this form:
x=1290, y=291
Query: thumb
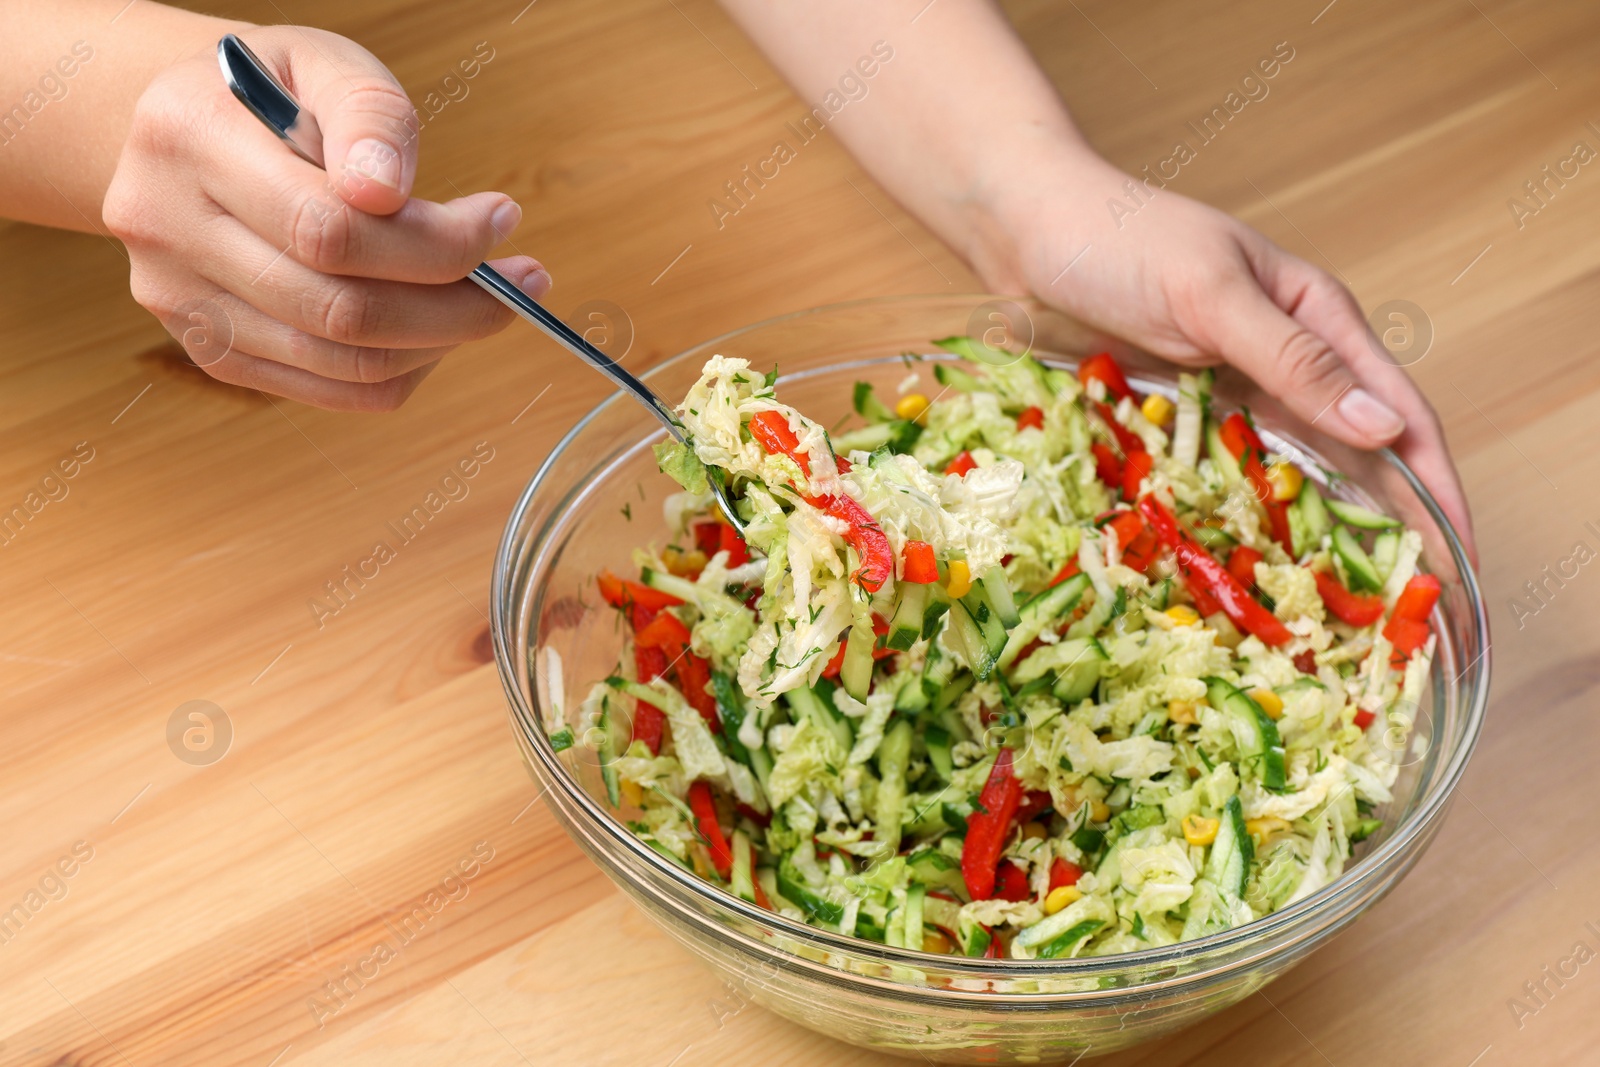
x=1299, y=367
x=369, y=128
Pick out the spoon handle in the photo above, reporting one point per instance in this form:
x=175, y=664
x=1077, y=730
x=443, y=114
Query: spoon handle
x=269, y=101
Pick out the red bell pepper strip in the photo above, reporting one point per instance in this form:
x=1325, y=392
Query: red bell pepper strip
x=694, y=675
x=1246, y=446
x=1011, y=882
x=918, y=565
x=1035, y=802
x=705, y=816
x=961, y=464
x=1357, y=609
x=1406, y=635
x=1134, y=471
x=1417, y=599
x=1104, y=369
x=836, y=664
x=664, y=632
x=729, y=541
x=1136, y=540
x=1031, y=417
x=1242, y=565
x=1107, y=466
x=988, y=829
x=1305, y=661
x=1204, y=603
x=1363, y=718
x=648, y=720
x=771, y=430
x=708, y=536
x=620, y=592
x=1127, y=440
x=865, y=536
x=1067, y=571
x=1242, y=608
x=1064, y=872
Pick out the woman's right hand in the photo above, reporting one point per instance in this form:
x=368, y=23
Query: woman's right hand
x=336, y=289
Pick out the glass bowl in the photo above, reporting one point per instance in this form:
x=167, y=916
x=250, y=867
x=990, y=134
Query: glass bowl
x=598, y=495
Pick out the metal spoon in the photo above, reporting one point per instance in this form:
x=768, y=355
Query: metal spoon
x=270, y=102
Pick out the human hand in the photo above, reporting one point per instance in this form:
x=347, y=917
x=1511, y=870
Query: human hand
x=336, y=289
x=1193, y=285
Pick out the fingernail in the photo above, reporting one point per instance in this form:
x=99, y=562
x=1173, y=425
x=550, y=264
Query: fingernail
x=375, y=161
x=1370, y=415
x=537, y=284
x=506, y=218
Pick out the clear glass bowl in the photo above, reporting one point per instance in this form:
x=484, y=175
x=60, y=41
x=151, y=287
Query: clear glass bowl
x=570, y=523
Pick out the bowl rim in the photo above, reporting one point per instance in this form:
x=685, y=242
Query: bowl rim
x=1350, y=882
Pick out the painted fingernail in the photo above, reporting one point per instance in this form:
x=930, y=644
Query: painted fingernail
x=375, y=161
x=537, y=284
x=506, y=218
x=1370, y=415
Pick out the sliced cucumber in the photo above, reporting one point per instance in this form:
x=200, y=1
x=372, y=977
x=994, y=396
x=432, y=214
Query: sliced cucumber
x=978, y=632
x=1357, y=564
x=1308, y=520
x=933, y=868
x=915, y=895
x=1221, y=458
x=952, y=690
x=1228, y=865
x=742, y=877
x=906, y=626
x=606, y=751
x=809, y=704
x=955, y=377
x=855, y=674
x=938, y=741
x=1038, y=612
x=1385, y=552
x=897, y=436
x=1082, y=673
x=1069, y=941
x=1217, y=540
x=868, y=405
x=1358, y=516
x=1255, y=732
x=792, y=886
x=997, y=591
x=731, y=710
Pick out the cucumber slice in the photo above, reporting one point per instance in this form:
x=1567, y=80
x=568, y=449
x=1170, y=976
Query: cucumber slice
x=855, y=674
x=1082, y=657
x=955, y=377
x=1038, y=612
x=809, y=704
x=868, y=405
x=865, y=438
x=938, y=741
x=997, y=591
x=742, y=878
x=1221, y=458
x=915, y=895
x=1358, y=516
x=906, y=626
x=1385, y=552
x=1067, y=942
x=1308, y=520
x=1256, y=733
x=979, y=634
x=911, y=698
x=1228, y=865
x=1363, y=575
x=930, y=867
x=948, y=695
x=612, y=741
x=1214, y=539
x=792, y=886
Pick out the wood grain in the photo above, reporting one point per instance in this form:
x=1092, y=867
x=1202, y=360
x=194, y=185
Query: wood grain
x=371, y=755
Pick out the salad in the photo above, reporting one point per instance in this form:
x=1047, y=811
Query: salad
x=1036, y=669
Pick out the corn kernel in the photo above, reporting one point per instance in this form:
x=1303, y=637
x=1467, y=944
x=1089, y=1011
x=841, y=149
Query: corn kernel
x=683, y=563
x=632, y=795
x=1156, y=408
x=1268, y=701
x=1060, y=897
x=1182, y=711
x=1265, y=827
x=913, y=406
x=1199, y=830
x=1034, y=831
x=1286, y=481
x=1182, y=615
x=1099, y=812
x=960, y=579
x=935, y=942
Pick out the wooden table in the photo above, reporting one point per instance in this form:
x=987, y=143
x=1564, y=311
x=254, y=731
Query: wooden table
x=209, y=907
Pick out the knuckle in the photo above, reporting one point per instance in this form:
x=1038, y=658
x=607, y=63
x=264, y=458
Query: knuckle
x=374, y=364
x=383, y=397
x=344, y=313
x=321, y=234
x=1307, y=361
